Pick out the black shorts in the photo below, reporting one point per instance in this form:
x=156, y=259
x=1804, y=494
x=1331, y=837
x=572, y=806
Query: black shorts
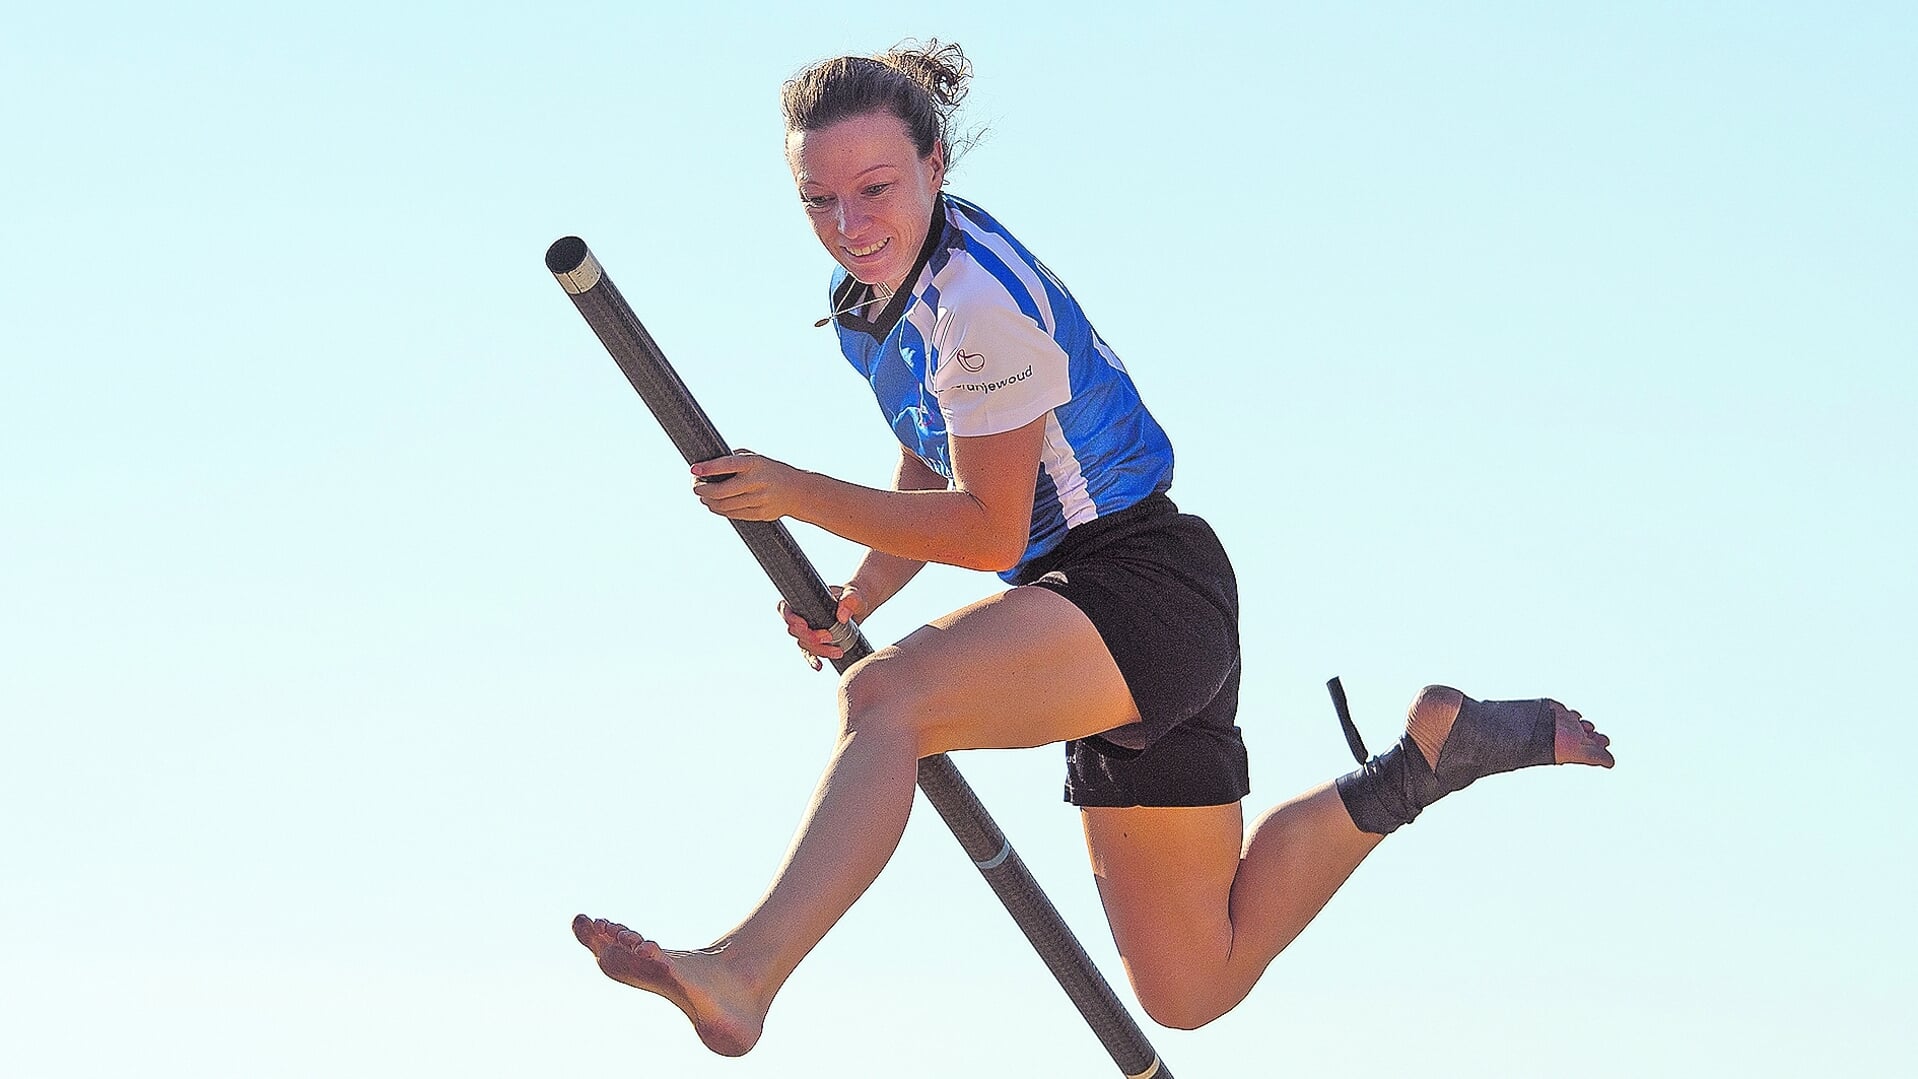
x=1158, y=587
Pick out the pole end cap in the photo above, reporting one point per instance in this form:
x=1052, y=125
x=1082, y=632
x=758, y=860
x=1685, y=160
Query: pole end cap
x=573, y=265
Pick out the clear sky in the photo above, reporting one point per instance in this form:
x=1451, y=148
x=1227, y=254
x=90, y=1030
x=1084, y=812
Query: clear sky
x=357, y=630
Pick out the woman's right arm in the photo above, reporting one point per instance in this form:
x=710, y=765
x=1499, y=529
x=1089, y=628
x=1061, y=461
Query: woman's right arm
x=879, y=576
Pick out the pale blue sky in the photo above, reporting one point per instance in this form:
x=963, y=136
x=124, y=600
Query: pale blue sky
x=358, y=629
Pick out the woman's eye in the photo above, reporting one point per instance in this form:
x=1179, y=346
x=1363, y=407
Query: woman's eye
x=876, y=190
x=816, y=202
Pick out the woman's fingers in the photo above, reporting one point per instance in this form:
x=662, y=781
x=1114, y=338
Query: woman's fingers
x=852, y=605
x=736, y=499
x=739, y=486
x=730, y=465
x=799, y=628
x=816, y=643
x=815, y=654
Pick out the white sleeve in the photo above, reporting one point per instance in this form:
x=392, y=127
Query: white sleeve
x=997, y=369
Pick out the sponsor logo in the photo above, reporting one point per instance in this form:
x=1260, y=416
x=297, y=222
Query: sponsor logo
x=988, y=387
x=972, y=361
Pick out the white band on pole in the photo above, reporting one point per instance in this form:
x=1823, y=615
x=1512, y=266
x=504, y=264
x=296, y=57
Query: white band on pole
x=1005, y=852
x=1149, y=1072
x=844, y=633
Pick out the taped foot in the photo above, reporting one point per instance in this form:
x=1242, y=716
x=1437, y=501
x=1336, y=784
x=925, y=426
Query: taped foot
x=697, y=983
x=1451, y=741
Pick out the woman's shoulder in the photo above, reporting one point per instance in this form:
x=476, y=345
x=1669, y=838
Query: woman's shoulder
x=985, y=267
x=970, y=229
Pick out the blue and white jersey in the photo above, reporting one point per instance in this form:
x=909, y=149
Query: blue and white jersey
x=984, y=339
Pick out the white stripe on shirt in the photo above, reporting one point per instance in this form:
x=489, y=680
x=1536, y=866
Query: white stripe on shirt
x=997, y=245
x=1062, y=467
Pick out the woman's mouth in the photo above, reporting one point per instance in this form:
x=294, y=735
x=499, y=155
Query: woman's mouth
x=869, y=250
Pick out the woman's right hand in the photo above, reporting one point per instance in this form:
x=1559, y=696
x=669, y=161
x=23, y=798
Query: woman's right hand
x=817, y=643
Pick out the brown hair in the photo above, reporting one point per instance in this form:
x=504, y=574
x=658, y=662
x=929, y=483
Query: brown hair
x=921, y=84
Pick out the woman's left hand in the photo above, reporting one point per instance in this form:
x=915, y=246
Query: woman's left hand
x=745, y=486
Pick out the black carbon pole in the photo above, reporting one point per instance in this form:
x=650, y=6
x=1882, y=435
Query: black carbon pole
x=581, y=275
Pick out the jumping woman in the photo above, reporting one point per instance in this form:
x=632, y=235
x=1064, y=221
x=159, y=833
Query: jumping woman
x=1026, y=451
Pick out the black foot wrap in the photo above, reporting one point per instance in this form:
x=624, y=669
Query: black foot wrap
x=1487, y=738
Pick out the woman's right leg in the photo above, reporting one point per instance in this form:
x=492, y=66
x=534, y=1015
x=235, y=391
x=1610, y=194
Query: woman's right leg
x=1023, y=668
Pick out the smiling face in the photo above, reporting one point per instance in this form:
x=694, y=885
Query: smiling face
x=868, y=193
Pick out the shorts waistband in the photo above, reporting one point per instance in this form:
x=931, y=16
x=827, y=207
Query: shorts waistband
x=1096, y=533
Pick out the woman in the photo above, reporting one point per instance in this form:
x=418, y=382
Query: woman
x=1026, y=451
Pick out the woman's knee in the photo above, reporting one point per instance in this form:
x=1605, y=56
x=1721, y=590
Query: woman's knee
x=1182, y=1003
x=884, y=694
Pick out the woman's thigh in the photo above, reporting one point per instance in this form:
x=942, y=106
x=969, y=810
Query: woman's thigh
x=1022, y=668
x=1165, y=876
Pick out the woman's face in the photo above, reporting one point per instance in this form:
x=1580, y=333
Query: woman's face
x=868, y=192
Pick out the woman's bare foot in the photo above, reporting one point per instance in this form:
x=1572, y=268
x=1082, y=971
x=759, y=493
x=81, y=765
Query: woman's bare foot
x=1574, y=740
x=723, y=1007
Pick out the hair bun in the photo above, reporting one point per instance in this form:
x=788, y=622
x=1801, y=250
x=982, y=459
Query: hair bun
x=920, y=83
x=940, y=67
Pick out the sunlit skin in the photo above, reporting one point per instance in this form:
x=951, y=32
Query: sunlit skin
x=1198, y=905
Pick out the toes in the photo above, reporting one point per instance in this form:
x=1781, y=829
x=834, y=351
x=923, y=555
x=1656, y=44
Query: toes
x=635, y=944
x=587, y=930
x=1597, y=749
x=1577, y=741
x=598, y=933
x=611, y=942
x=1558, y=709
x=1587, y=753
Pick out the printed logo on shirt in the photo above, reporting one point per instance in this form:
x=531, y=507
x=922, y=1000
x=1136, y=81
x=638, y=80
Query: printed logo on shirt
x=972, y=361
x=988, y=387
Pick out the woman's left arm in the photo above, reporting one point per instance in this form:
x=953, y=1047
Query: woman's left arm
x=983, y=521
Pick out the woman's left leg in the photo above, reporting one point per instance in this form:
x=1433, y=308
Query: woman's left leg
x=1023, y=668
x=1199, y=914
x=1198, y=909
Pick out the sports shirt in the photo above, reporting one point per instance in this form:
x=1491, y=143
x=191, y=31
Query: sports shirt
x=983, y=339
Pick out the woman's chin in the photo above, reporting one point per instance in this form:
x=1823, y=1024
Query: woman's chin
x=865, y=275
